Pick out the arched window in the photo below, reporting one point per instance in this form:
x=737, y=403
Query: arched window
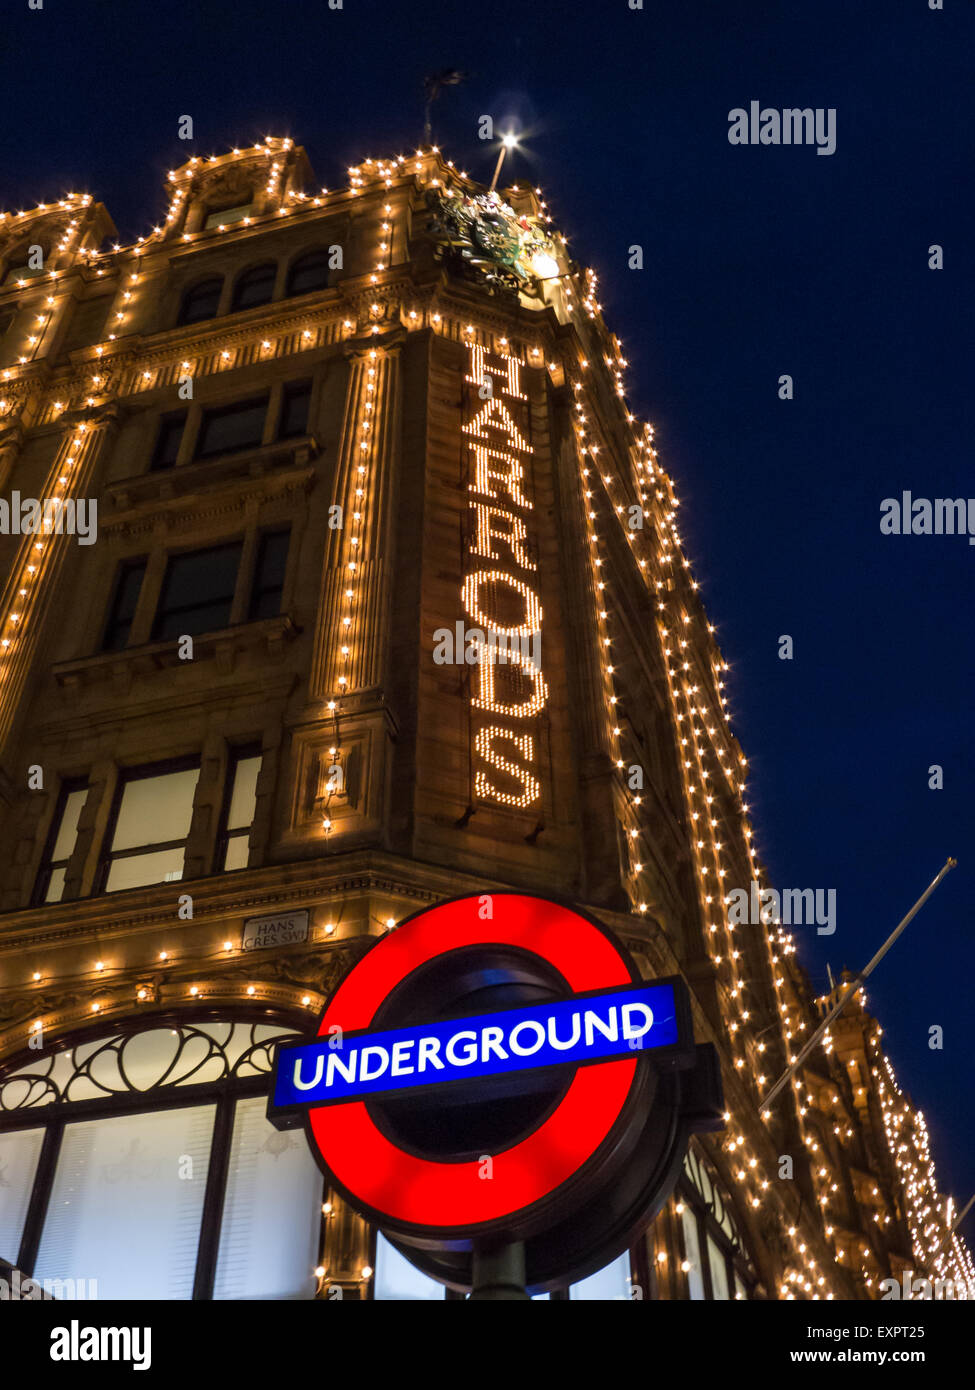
x=255, y=286
x=144, y=1161
x=309, y=272
x=716, y=1256
x=200, y=301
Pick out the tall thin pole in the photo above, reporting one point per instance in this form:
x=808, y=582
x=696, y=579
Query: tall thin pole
x=854, y=985
x=497, y=168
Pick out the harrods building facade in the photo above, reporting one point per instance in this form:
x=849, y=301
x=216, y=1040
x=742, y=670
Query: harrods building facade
x=249, y=721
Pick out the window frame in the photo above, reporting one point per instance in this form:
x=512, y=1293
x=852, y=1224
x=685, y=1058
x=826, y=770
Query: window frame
x=209, y=413
x=223, y=1094
x=266, y=533
x=271, y=269
x=169, y=557
x=181, y=320
x=139, y=773
x=48, y=864
x=312, y=251
x=125, y=566
x=237, y=754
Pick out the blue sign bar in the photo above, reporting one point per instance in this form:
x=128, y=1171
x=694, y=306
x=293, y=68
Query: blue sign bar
x=587, y=1028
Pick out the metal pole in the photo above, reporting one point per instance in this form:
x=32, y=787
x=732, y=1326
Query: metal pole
x=498, y=1272
x=856, y=984
x=497, y=168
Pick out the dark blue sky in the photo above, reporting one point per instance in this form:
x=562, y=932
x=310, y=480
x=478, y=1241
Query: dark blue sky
x=758, y=261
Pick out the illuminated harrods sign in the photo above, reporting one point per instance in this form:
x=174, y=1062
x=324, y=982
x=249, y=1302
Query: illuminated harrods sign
x=494, y=1071
x=499, y=590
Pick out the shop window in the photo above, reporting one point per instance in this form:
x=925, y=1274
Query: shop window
x=228, y=428
x=294, y=410
x=168, y=440
x=719, y=1267
x=396, y=1279
x=61, y=842
x=309, y=272
x=612, y=1282
x=200, y=302
x=150, y=825
x=240, y=805
x=254, y=287
x=104, y=1216
x=269, y=570
x=198, y=591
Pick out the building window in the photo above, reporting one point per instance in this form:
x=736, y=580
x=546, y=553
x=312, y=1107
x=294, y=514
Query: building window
x=718, y=1266
x=88, y=323
x=239, y=807
x=268, y=586
x=243, y=1222
x=612, y=1282
x=149, y=827
x=22, y=271
x=168, y=440
x=309, y=272
x=198, y=592
x=294, y=410
x=226, y=217
x=200, y=302
x=396, y=1280
x=228, y=428
x=61, y=842
x=128, y=586
x=254, y=287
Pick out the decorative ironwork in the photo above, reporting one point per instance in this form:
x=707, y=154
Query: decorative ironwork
x=144, y=1062
x=482, y=232
x=700, y=1173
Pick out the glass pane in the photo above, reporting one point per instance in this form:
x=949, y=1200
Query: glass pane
x=397, y=1279
x=226, y=217
x=272, y=559
x=238, y=852
x=255, y=287
x=244, y=798
x=271, y=1212
x=156, y=809
x=168, y=441
x=294, y=411
x=309, y=273
x=239, y=427
x=199, y=588
x=55, y=887
x=68, y=831
x=201, y=302
x=612, y=1281
x=139, y=870
x=719, y=1272
x=694, y=1277
x=19, y=1153
x=127, y=1203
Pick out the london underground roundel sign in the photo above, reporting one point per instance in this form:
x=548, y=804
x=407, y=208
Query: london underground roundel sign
x=496, y=1069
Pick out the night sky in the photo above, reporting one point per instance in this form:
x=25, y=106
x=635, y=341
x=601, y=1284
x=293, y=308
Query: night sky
x=759, y=261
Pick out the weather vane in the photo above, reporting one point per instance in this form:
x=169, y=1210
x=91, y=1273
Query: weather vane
x=432, y=87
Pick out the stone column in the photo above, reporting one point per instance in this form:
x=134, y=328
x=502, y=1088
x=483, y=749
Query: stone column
x=35, y=574
x=373, y=382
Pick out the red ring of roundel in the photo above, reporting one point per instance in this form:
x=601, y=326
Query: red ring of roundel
x=414, y=1191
